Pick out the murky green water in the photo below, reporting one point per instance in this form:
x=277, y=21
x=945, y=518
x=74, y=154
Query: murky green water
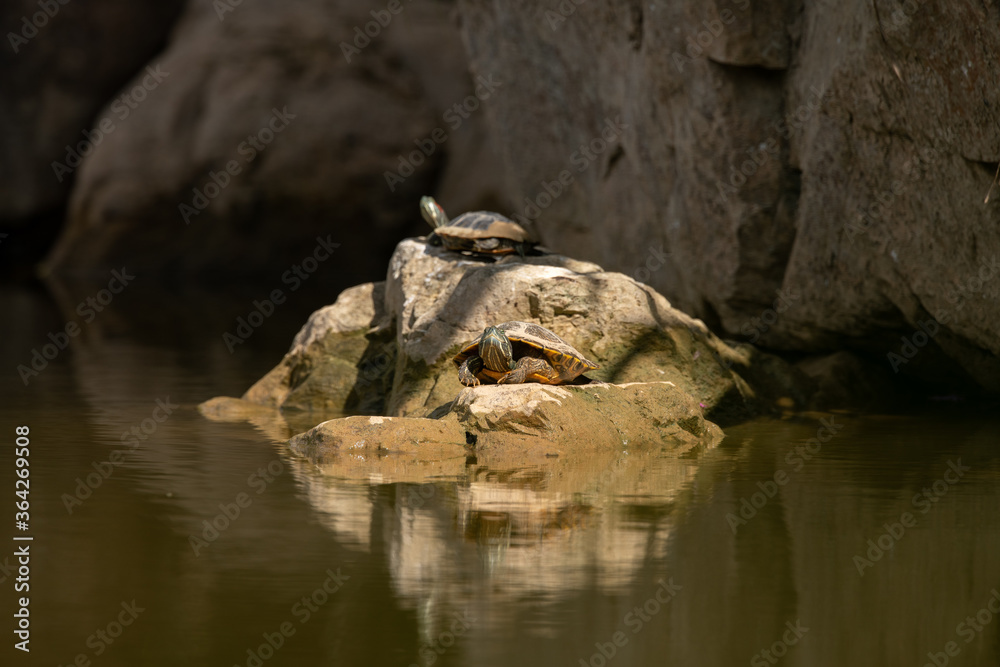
x=627, y=559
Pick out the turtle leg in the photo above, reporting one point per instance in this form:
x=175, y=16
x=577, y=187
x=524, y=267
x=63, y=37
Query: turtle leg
x=469, y=369
x=530, y=366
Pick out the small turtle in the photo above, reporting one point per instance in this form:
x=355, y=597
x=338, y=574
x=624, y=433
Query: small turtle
x=515, y=352
x=480, y=232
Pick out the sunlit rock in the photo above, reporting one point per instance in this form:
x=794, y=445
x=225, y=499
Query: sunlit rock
x=387, y=348
x=520, y=423
x=582, y=417
x=373, y=437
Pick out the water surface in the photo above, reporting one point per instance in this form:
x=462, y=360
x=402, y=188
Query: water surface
x=632, y=557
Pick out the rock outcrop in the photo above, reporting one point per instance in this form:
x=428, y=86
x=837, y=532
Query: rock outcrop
x=387, y=348
x=59, y=65
x=278, y=122
x=800, y=176
x=383, y=353
x=583, y=417
x=521, y=423
x=804, y=176
x=336, y=364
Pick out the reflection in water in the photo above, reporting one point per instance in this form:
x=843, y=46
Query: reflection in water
x=745, y=553
x=490, y=537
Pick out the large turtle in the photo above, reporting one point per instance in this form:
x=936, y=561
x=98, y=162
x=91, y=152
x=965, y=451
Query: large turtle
x=515, y=352
x=480, y=232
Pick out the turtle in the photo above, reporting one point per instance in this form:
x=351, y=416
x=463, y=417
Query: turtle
x=515, y=352
x=478, y=232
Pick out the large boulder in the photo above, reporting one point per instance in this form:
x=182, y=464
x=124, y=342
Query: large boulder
x=61, y=62
x=439, y=300
x=387, y=348
x=804, y=176
x=279, y=122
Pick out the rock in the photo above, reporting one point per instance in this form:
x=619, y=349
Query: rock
x=575, y=418
x=268, y=420
x=845, y=380
x=521, y=423
x=228, y=409
x=336, y=364
x=392, y=354
x=56, y=73
x=799, y=177
x=440, y=300
x=274, y=125
x=363, y=437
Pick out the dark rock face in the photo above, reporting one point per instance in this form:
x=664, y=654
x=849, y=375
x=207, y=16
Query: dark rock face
x=276, y=123
x=58, y=67
x=804, y=176
x=800, y=176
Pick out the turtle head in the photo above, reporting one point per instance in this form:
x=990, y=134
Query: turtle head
x=432, y=212
x=495, y=350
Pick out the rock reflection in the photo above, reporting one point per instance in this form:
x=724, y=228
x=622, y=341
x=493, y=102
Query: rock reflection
x=475, y=539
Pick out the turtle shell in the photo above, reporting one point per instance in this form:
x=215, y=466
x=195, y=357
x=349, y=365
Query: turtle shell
x=486, y=232
x=529, y=338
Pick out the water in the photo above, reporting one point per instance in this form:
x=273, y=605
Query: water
x=622, y=559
